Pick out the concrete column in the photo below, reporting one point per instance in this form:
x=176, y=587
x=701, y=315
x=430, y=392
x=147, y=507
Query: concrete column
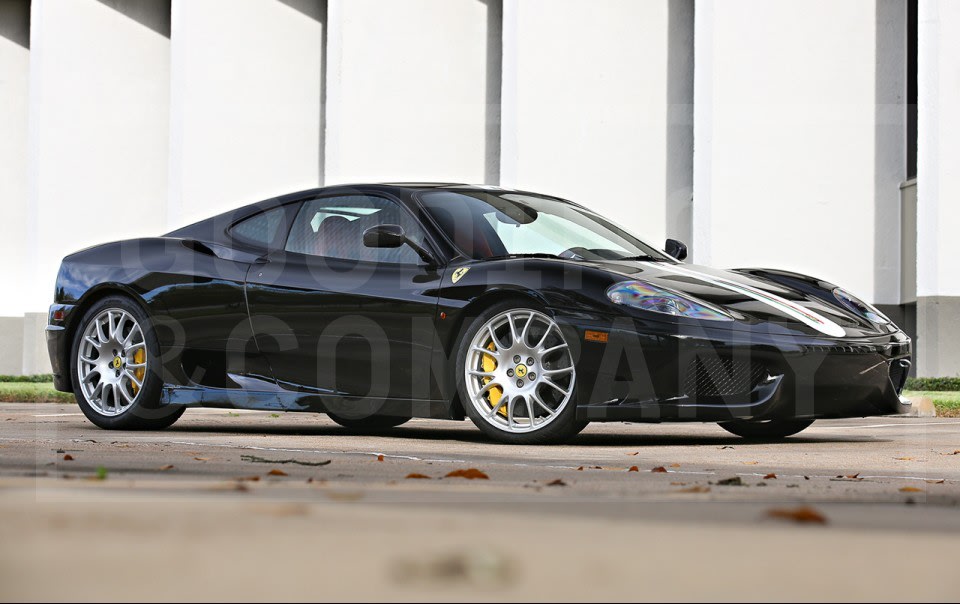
x=97, y=154
x=409, y=90
x=11, y=337
x=938, y=190
x=246, y=103
x=36, y=359
x=14, y=92
x=597, y=107
x=800, y=139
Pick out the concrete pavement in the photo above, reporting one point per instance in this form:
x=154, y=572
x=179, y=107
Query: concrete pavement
x=208, y=509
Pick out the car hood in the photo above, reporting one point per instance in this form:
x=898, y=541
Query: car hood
x=754, y=299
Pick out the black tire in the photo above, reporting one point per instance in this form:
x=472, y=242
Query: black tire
x=771, y=429
x=373, y=423
x=145, y=412
x=560, y=430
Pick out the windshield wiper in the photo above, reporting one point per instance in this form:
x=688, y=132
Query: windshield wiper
x=644, y=257
x=531, y=255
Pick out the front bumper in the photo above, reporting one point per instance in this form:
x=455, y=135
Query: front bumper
x=715, y=375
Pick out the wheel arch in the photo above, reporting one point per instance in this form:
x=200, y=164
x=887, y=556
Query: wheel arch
x=91, y=297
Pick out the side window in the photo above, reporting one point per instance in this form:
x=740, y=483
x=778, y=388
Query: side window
x=333, y=227
x=259, y=229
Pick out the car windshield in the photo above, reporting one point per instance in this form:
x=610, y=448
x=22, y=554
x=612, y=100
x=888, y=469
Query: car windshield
x=490, y=224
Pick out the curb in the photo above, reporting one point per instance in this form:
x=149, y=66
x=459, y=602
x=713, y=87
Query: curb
x=922, y=406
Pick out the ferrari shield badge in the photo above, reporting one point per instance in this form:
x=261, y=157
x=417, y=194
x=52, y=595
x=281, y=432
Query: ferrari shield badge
x=459, y=273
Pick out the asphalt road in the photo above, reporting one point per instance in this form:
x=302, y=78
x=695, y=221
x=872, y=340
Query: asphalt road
x=245, y=506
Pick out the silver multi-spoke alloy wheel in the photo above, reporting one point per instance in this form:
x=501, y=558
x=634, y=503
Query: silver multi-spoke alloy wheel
x=112, y=362
x=519, y=371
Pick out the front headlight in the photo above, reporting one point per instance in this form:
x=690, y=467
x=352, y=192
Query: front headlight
x=859, y=307
x=642, y=295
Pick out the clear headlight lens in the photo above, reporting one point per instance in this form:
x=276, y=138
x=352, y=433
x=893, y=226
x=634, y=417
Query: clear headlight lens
x=859, y=307
x=642, y=295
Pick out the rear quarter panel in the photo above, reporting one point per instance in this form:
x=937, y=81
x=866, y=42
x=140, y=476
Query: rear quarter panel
x=195, y=300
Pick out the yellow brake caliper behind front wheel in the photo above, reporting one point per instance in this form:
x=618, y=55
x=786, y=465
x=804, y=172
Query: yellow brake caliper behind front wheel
x=138, y=357
x=493, y=395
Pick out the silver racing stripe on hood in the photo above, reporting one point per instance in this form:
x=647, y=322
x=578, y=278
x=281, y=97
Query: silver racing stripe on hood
x=804, y=315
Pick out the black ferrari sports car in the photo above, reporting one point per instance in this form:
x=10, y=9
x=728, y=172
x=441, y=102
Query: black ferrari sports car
x=530, y=314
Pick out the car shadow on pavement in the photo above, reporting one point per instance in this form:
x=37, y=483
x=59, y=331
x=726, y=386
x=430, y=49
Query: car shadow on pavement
x=682, y=440
x=467, y=434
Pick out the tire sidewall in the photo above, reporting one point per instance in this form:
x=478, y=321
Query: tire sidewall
x=561, y=429
x=771, y=430
x=372, y=423
x=146, y=408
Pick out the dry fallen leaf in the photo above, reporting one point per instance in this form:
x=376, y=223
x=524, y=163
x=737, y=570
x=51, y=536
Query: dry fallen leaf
x=910, y=490
x=634, y=453
x=770, y=476
x=469, y=474
x=249, y=478
x=678, y=484
x=379, y=457
x=276, y=472
x=68, y=457
x=416, y=475
x=941, y=481
x=580, y=469
x=751, y=463
x=957, y=452
x=674, y=465
x=558, y=482
x=659, y=470
x=695, y=489
x=202, y=458
x=166, y=467
x=633, y=469
x=903, y=458
x=803, y=514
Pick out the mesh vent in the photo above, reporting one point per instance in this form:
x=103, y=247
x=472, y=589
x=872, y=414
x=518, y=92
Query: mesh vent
x=719, y=376
x=845, y=349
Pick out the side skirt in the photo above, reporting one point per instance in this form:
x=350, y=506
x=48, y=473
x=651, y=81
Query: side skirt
x=285, y=400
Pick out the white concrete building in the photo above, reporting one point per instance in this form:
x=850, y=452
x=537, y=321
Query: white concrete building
x=811, y=135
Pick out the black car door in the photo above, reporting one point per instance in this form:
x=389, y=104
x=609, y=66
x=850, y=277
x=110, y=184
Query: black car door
x=336, y=317
x=206, y=326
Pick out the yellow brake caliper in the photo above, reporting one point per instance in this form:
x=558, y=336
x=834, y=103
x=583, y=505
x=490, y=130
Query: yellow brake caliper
x=493, y=395
x=138, y=357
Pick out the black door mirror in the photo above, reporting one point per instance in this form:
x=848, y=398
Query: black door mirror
x=677, y=249
x=384, y=235
x=392, y=235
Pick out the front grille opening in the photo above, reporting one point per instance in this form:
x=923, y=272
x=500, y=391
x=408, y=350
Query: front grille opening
x=898, y=373
x=715, y=376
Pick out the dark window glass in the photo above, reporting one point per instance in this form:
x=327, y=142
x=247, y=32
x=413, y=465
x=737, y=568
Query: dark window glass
x=333, y=227
x=260, y=229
